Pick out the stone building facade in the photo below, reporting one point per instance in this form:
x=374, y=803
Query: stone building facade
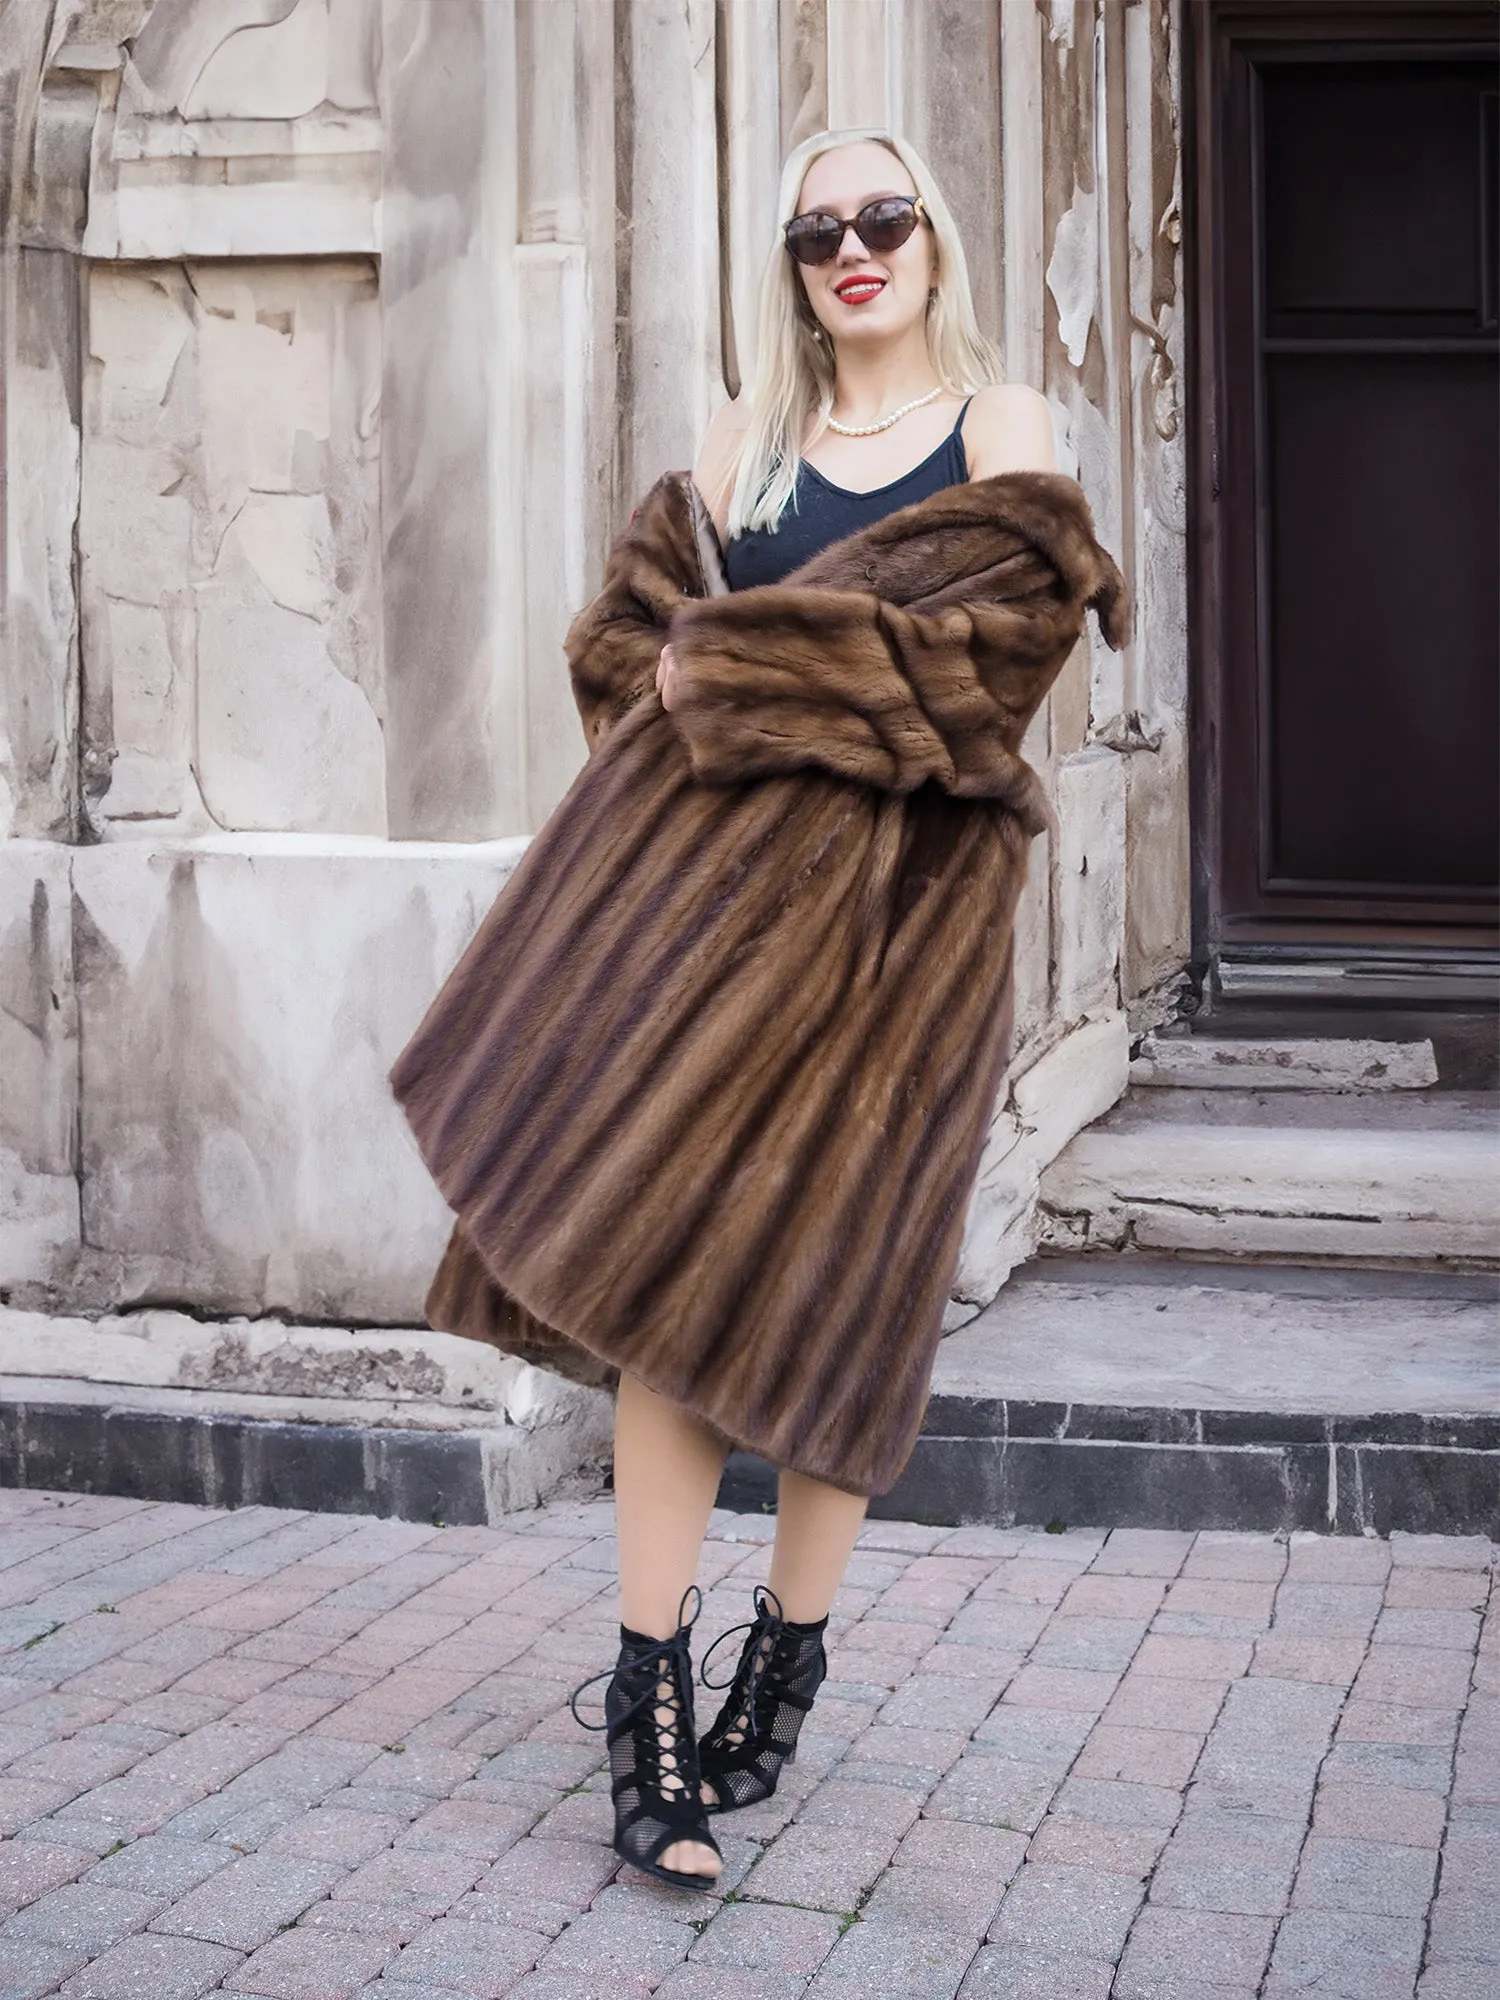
x=338, y=338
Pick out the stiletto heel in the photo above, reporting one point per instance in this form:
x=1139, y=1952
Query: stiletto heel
x=781, y=1668
x=653, y=1757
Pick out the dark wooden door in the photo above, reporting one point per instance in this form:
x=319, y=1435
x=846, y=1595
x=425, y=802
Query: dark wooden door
x=1347, y=504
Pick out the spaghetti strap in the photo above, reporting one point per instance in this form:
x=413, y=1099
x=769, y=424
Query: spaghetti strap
x=962, y=471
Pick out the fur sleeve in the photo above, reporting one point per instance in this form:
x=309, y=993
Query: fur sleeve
x=614, y=643
x=786, y=677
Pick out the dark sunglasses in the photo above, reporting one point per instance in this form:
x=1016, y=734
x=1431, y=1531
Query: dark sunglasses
x=817, y=236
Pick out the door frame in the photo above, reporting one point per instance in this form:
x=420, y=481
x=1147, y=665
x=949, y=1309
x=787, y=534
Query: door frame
x=1225, y=609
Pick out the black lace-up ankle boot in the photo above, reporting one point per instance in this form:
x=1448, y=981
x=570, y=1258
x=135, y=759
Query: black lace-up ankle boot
x=653, y=1757
x=782, y=1666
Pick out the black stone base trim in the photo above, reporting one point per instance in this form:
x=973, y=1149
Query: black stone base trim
x=1110, y=1423
x=1423, y=1475
x=1332, y=1486
x=218, y=1460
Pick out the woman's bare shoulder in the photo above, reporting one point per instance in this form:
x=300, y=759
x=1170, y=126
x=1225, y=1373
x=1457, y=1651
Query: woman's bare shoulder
x=1009, y=429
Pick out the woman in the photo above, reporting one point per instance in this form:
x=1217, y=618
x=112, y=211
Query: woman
x=709, y=1087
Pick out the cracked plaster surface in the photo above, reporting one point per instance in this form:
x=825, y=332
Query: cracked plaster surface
x=230, y=502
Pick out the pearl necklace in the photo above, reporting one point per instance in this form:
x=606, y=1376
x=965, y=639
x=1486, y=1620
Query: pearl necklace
x=869, y=430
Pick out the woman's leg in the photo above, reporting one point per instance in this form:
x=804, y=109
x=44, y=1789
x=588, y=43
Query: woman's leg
x=816, y=1527
x=667, y=1470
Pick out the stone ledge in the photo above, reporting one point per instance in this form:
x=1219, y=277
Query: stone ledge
x=1327, y=1488
x=1154, y=1393
x=268, y=1358
x=412, y=1461
x=1224, y=1062
x=1379, y=1176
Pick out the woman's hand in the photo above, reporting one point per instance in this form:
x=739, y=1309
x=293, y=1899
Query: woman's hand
x=666, y=677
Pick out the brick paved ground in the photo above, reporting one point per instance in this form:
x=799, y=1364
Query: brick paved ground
x=303, y=1755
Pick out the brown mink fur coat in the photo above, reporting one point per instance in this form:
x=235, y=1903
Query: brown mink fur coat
x=708, y=1089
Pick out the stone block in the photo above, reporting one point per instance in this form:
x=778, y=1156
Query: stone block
x=1389, y=1813
x=1111, y=1802
x=1379, y=1878
x=255, y=1159
x=1466, y=1929
x=883, y=1958
x=30, y=1869
x=633, y=1937
x=1232, y=1863
x=552, y=300
x=1139, y=1756
x=316, y=194
x=962, y=1905
x=1345, y=1957
x=1050, y=1101
x=33, y=1968
x=161, y=1349
x=1083, y=1843
x=1088, y=898
x=1144, y=1702
x=1226, y=1062
x=1026, y=1972
x=1234, y=1183
x=425, y=1882
x=166, y=1968
x=231, y=575
x=821, y=1867
x=1053, y=1906
x=1083, y=1690
x=1158, y=908
x=1180, y=1954
x=39, y=661
x=992, y=1792
x=477, y=1959
x=1096, y=1644
x=39, y=1216
x=451, y=503
x=245, y=1904
x=767, y=1937
x=83, y=1917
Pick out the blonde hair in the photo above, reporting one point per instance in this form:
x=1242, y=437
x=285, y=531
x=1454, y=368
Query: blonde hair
x=794, y=366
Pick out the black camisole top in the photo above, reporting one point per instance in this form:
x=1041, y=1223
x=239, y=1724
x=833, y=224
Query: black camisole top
x=819, y=513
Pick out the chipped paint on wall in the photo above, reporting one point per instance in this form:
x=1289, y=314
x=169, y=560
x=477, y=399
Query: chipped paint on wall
x=1073, y=274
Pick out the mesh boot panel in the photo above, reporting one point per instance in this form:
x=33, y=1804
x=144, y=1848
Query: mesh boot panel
x=653, y=1759
x=754, y=1734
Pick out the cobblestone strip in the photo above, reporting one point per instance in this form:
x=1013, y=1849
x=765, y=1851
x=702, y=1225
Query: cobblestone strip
x=1366, y=1876
x=1461, y=1944
x=303, y=1758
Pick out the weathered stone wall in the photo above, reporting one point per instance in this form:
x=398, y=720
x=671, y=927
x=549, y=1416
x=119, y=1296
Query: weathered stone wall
x=338, y=338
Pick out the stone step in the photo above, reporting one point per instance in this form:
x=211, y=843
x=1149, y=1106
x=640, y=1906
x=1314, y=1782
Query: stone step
x=1107, y=1392
x=404, y=1459
x=1155, y=1393
x=1238, y=1062
x=1377, y=1177
x=402, y=1421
